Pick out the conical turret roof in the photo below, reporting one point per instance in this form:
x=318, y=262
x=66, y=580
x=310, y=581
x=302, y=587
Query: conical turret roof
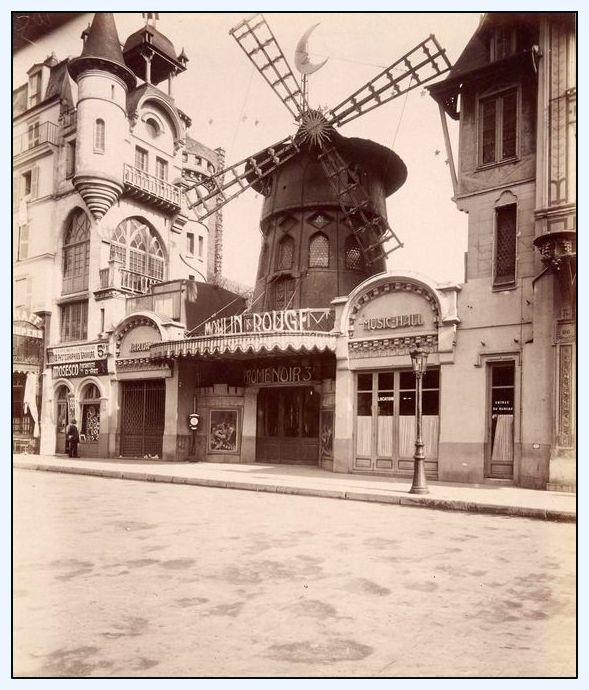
x=102, y=49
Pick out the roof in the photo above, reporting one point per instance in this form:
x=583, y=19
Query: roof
x=102, y=48
x=193, y=146
x=155, y=38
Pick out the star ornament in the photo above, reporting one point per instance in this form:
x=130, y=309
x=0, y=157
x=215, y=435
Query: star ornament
x=315, y=130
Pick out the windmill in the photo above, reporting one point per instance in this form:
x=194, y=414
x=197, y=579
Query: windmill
x=359, y=173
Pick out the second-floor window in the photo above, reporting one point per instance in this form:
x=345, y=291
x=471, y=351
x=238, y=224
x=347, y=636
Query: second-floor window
x=23, y=242
x=76, y=253
x=135, y=245
x=74, y=321
x=141, y=159
x=99, y=136
x=285, y=253
x=505, y=245
x=161, y=169
x=498, y=128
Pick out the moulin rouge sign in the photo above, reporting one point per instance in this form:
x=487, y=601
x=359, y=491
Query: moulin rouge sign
x=285, y=320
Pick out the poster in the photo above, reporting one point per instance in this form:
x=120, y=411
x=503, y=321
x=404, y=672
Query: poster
x=223, y=431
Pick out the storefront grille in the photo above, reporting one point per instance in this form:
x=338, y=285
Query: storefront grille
x=143, y=413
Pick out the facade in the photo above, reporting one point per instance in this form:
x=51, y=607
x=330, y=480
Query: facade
x=103, y=240
x=513, y=91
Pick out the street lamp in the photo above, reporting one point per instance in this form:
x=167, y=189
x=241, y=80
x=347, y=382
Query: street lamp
x=419, y=363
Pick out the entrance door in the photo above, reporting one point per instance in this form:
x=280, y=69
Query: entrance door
x=500, y=421
x=385, y=420
x=288, y=425
x=142, y=418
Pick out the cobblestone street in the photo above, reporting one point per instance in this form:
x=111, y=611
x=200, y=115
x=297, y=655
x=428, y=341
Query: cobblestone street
x=119, y=578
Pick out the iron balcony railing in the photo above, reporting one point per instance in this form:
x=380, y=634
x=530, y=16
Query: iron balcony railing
x=151, y=188
x=44, y=133
x=117, y=278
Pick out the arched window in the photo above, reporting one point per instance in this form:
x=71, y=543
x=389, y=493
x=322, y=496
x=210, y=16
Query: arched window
x=135, y=245
x=99, y=135
x=152, y=127
x=319, y=251
x=354, y=260
x=76, y=253
x=285, y=253
x=90, y=408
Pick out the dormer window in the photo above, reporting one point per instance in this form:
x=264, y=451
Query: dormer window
x=498, y=128
x=34, y=89
x=503, y=43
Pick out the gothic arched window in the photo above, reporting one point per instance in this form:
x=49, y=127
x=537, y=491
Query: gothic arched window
x=76, y=252
x=319, y=251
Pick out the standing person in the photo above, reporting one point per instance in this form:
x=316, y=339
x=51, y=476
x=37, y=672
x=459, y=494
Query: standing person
x=73, y=438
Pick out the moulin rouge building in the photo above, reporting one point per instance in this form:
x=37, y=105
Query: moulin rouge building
x=317, y=369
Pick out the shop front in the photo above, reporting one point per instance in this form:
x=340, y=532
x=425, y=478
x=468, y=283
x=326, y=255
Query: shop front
x=27, y=365
x=380, y=323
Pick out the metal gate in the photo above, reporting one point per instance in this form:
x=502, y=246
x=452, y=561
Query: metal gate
x=143, y=416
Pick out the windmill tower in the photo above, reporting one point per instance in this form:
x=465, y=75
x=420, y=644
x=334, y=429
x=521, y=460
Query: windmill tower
x=324, y=221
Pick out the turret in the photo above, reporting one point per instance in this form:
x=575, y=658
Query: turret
x=103, y=81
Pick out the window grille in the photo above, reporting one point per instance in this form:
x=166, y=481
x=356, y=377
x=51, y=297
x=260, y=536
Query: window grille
x=354, y=261
x=285, y=253
x=319, y=251
x=505, y=244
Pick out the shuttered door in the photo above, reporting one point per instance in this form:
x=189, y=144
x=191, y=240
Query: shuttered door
x=143, y=416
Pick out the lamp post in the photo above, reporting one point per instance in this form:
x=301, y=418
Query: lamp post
x=419, y=363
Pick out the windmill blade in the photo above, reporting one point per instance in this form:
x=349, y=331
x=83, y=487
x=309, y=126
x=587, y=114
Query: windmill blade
x=257, y=41
x=210, y=193
x=417, y=67
x=370, y=228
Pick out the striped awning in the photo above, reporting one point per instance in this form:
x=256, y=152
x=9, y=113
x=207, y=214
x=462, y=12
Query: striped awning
x=244, y=343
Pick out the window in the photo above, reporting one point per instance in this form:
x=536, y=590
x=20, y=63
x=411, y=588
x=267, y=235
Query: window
x=152, y=127
x=505, y=245
x=190, y=243
x=34, y=89
x=76, y=253
x=161, y=169
x=140, y=159
x=354, y=260
x=74, y=321
x=285, y=253
x=70, y=159
x=498, y=128
x=283, y=293
x=22, y=294
x=33, y=135
x=135, y=245
x=99, y=136
x=503, y=43
x=200, y=245
x=90, y=408
x=29, y=184
x=23, y=242
x=319, y=251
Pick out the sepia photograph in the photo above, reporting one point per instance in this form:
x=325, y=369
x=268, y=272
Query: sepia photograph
x=294, y=345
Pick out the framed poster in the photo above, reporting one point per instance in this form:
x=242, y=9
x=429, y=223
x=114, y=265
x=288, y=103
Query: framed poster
x=224, y=431
x=326, y=437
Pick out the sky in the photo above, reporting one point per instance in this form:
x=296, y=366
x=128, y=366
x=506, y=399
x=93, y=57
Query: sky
x=232, y=106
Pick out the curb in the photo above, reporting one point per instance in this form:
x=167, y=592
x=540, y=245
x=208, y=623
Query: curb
x=407, y=501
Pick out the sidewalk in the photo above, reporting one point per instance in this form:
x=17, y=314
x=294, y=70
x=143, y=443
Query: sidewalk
x=497, y=499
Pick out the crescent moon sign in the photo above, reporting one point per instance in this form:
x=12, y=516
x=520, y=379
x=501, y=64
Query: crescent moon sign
x=302, y=61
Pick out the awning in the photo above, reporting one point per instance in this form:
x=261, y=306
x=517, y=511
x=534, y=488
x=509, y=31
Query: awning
x=245, y=343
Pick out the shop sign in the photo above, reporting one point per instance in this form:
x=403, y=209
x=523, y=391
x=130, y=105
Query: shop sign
x=277, y=375
x=137, y=341
x=401, y=321
x=78, y=353
x=294, y=320
x=73, y=370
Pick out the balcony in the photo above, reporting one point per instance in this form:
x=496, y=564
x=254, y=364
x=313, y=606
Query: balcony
x=151, y=190
x=45, y=133
x=116, y=279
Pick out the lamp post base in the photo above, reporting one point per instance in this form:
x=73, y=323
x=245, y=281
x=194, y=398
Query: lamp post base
x=419, y=485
